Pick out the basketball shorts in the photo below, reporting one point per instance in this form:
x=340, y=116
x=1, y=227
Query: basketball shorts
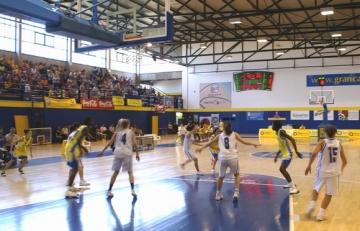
x=214, y=154
x=286, y=162
x=75, y=162
x=14, y=157
x=189, y=154
x=233, y=164
x=126, y=163
x=331, y=185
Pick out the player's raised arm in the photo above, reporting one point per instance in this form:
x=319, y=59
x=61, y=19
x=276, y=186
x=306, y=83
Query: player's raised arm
x=216, y=139
x=241, y=140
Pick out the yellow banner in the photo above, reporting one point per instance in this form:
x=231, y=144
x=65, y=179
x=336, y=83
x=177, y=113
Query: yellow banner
x=118, y=100
x=342, y=133
x=266, y=133
x=313, y=133
x=354, y=133
x=134, y=102
x=60, y=103
x=300, y=133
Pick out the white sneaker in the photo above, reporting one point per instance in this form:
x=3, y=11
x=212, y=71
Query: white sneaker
x=309, y=212
x=109, y=194
x=84, y=183
x=320, y=216
x=70, y=194
x=212, y=170
x=294, y=191
x=236, y=196
x=219, y=196
x=133, y=193
x=288, y=186
x=199, y=173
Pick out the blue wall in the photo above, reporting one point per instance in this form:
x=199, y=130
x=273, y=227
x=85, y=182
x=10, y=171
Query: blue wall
x=243, y=126
x=61, y=117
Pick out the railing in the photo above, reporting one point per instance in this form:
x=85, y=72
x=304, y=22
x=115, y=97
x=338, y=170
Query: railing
x=26, y=92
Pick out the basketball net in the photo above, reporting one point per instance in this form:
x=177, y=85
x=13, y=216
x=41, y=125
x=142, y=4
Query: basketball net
x=159, y=108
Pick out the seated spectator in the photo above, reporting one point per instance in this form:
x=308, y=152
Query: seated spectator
x=112, y=128
x=65, y=131
x=137, y=131
x=302, y=126
x=170, y=128
x=60, y=134
x=103, y=128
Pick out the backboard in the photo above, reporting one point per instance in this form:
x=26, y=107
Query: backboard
x=326, y=96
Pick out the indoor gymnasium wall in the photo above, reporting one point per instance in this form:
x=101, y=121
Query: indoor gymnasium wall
x=289, y=89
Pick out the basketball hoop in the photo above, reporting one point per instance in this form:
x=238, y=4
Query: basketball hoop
x=159, y=108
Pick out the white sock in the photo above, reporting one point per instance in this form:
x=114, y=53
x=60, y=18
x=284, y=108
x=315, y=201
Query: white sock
x=321, y=210
x=218, y=192
x=312, y=204
x=292, y=184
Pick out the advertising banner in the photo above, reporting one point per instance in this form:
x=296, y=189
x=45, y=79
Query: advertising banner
x=215, y=95
x=348, y=115
x=334, y=79
x=134, y=102
x=60, y=103
x=318, y=115
x=255, y=115
x=118, y=101
x=300, y=115
x=215, y=120
x=97, y=104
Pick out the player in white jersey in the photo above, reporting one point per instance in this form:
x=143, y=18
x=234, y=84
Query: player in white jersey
x=187, y=147
x=124, y=140
x=328, y=170
x=228, y=157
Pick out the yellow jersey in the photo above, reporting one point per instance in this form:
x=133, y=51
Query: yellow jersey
x=21, y=147
x=286, y=147
x=72, y=148
x=214, y=147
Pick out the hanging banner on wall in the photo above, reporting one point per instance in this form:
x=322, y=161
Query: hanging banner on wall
x=348, y=115
x=118, y=100
x=169, y=101
x=134, y=102
x=255, y=115
x=96, y=104
x=334, y=79
x=300, y=115
x=205, y=120
x=60, y=103
x=318, y=115
x=276, y=115
x=215, y=95
x=215, y=120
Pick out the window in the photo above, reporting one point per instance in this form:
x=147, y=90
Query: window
x=7, y=33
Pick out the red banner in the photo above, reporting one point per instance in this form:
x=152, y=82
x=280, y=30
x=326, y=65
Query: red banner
x=96, y=104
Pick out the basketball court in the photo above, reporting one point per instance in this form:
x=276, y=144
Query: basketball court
x=170, y=198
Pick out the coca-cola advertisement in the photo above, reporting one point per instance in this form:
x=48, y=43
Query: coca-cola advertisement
x=96, y=104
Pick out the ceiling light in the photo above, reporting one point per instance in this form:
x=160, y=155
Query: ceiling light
x=341, y=48
x=280, y=52
x=262, y=40
x=235, y=20
x=336, y=34
x=228, y=57
x=203, y=46
x=149, y=45
x=327, y=10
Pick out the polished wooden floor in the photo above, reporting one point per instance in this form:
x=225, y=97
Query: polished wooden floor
x=46, y=182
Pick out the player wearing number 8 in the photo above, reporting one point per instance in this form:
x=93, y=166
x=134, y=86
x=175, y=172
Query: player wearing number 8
x=328, y=170
x=228, y=157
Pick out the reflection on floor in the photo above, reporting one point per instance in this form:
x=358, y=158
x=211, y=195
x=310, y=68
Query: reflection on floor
x=178, y=203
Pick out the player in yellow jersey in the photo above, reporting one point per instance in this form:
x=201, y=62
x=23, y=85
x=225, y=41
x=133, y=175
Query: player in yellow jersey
x=20, y=151
x=73, y=152
x=214, y=149
x=288, y=151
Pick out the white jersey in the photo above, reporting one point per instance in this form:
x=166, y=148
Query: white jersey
x=187, y=145
x=123, y=143
x=228, y=146
x=329, y=160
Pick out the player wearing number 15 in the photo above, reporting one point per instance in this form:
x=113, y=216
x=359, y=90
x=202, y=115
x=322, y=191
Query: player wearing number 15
x=124, y=140
x=328, y=170
x=228, y=157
